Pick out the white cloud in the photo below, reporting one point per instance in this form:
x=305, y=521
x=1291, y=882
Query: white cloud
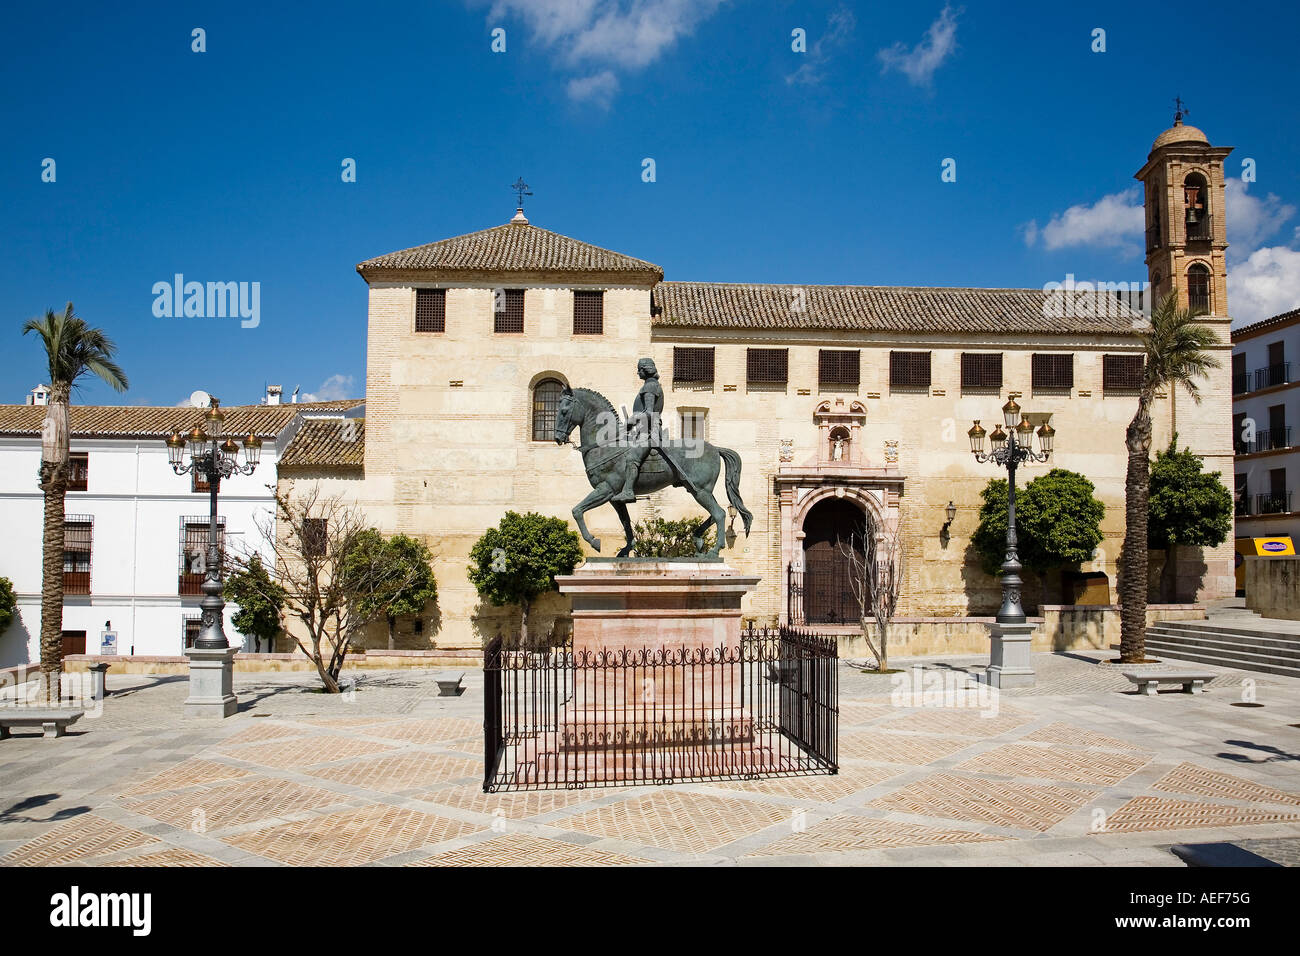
x=839, y=29
x=1264, y=285
x=1262, y=281
x=919, y=63
x=618, y=35
x=1251, y=219
x=599, y=88
x=1113, y=221
x=333, y=389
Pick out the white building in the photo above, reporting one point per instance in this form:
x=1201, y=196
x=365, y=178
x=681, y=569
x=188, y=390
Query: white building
x=1266, y=406
x=133, y=525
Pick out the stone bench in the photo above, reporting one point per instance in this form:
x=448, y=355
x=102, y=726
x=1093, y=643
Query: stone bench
x=1148, y=682
x=53, y=723
x=450, y=686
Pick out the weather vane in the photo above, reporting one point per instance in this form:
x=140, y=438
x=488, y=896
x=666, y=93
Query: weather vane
x=1179, y=109
x=521, y=188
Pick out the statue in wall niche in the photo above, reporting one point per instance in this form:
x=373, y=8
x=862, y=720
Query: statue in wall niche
x=627, y=459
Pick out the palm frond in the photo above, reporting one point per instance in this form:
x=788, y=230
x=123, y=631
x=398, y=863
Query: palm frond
x=74, y=349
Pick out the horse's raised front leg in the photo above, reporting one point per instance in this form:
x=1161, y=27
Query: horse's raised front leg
x=595, y=499
x=623, y=516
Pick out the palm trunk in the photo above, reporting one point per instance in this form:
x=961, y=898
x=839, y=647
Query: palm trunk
x=1133, y=573
x=52, y=585
x=54, y=483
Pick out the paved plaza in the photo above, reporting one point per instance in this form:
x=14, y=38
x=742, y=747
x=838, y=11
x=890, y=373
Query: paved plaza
x=1077, y=770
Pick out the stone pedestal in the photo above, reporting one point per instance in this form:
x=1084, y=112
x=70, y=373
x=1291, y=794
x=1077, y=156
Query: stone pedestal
x=1009, y=662
x=656, y=647
x=98, y=673
x=211, y=683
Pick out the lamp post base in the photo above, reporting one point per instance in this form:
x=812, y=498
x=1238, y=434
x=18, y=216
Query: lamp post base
x=1009, y=663
x=211, y=683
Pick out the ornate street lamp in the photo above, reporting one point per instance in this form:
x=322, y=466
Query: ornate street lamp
x=1009, y=449
x=214, y=459
x=208, y=452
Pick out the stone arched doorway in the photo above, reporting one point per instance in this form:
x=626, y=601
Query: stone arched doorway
x=828, y=528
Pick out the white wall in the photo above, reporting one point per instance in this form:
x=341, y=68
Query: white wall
x=136, y=503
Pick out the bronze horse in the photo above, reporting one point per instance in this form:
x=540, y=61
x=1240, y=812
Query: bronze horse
x=594, y=417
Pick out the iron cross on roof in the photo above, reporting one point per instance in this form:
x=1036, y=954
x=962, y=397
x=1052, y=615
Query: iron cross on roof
x=1179, y=109
x=521, y=189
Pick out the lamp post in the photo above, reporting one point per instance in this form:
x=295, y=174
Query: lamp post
x=212, y=657
x=1009, y=663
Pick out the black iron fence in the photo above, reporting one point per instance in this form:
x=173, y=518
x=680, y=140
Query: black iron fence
x=559, y=718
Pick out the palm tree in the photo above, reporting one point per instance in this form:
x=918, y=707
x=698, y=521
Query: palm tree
x=73, y=349
x=1175, y=344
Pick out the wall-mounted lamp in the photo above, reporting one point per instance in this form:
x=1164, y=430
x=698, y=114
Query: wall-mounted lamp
x=951, y=513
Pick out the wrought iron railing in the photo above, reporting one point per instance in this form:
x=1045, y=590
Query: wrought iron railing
x=1271, y=375
x=1266, y=439
x=1241, y=507
x=1240, y=383
x=1270, y=504
x=558, y=718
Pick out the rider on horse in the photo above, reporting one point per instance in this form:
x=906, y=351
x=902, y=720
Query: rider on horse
x=645, y=432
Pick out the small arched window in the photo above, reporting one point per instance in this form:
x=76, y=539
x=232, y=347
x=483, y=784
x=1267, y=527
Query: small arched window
x=1198, y=288
x=546, y=396
x=1196, y=202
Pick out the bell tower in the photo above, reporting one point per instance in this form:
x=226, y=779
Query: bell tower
x=1186, y=236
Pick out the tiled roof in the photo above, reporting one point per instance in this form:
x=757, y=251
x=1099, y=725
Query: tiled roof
x=326, y=444
x=152, y=421
x=1264, y=325
x=889, y=309
x=513, y=247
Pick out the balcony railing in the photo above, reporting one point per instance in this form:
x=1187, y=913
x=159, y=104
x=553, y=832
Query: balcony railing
x=76, y=582
x=1201, y=230
x=1240, y=383
x=1241, y=506
x=1199, y=301
x=1267, y=439
x=1273, y=504
x=1272, y=375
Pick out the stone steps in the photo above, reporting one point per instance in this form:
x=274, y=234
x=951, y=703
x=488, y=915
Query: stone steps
x=1227, y=645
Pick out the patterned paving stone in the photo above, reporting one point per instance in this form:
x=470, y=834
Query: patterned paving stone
x=963, y=722
x=291, y=754
x=1063, y=733
x=233, y=804
x=78, y=840
x=188, y=773
x=1156, y=813
x=429, y=732
x=514, y=804
x=263, y=730
x=899, y=748
x=351, y=837
x=172, y=856
x=674, y=820
x=854, y=712
x=827, y=787
x=1029, y=806
x=526, y=850
x=1190, y=778
x=401, y=771
x=1058, y=763
x=849, y=833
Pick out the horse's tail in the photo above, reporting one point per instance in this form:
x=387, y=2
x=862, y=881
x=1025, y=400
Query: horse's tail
x=732, y=462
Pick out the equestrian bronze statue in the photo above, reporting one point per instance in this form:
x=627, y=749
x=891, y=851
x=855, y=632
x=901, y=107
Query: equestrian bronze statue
x=626, y=459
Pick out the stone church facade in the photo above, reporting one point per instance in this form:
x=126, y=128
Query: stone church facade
x=842, y=401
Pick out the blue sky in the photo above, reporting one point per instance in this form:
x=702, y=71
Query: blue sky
x=770, y=165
